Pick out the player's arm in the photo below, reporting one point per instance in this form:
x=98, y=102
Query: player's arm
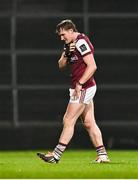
x=88, y=73
x=62, y=62
x=86, y=52
x=90, y=69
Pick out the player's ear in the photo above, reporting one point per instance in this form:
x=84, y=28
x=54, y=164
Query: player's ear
x=71, y=30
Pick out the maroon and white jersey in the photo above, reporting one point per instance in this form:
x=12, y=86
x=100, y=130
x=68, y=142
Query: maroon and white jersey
x=78, y=66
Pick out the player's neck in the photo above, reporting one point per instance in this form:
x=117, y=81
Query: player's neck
x=75, y=35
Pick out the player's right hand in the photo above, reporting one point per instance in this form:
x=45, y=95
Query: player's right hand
x=72, y=46
x=68, y=49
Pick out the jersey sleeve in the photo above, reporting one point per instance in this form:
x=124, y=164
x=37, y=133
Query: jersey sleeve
x=83, y=47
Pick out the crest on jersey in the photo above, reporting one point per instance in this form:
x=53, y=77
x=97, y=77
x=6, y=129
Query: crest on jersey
x=83, y=47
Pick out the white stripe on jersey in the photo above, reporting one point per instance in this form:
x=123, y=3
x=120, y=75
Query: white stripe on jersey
x=82, y=46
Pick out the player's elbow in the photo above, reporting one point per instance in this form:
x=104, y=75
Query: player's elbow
x=61, y=65
x=94, y=68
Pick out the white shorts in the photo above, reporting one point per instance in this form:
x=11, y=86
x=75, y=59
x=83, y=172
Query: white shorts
x=86, y=95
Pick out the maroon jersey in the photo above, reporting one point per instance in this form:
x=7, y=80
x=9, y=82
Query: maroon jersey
x=78, y=66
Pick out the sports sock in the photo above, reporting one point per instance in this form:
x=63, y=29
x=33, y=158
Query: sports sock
x=58, y=151
x=101, y=150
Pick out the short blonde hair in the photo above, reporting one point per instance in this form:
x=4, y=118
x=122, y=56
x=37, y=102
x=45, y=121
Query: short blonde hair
x=66, y=24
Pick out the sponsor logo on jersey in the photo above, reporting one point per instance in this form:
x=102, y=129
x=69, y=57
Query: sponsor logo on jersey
x=74, y=59
x=83, y=47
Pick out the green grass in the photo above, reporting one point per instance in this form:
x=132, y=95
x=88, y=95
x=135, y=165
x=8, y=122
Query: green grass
x=74, y=164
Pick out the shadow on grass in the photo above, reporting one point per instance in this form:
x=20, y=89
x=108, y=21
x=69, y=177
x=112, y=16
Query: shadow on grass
x=110, y=163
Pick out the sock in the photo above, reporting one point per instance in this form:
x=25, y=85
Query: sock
x=101, y=150
x=58, y=151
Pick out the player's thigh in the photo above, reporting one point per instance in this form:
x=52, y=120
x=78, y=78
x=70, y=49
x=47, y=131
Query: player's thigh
x=73, y=111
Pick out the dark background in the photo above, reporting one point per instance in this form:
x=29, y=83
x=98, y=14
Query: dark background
x=34, y=93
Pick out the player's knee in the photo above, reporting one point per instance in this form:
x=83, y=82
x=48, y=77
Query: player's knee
x=66, y=122
x=87, y=125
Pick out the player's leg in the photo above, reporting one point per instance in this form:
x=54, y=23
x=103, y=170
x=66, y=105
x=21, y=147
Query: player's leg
x=72, y=113
x=89, y=123
x=94, y=132
x=74, y=110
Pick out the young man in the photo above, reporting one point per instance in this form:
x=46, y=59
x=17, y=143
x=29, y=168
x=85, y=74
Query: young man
x=78, y=54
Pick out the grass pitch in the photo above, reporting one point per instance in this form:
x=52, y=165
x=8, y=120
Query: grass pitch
x=74, y=164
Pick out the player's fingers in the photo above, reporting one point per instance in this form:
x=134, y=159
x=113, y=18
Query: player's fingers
x=75, y=95
x=72, y=46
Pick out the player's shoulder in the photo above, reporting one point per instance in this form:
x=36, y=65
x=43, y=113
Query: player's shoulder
x=82, y=39
x=82, y=36
x=83, y=45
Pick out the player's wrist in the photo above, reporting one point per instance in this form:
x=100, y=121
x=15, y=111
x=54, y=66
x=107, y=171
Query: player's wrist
x=67, y=54
x=79, y=83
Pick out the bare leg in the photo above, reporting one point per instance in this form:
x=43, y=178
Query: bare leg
x=94, y=133
x=71, y=115
x=73, y=111
x=91, y=126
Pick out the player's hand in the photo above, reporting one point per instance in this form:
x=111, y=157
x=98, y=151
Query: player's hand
x=77, y=91
x=72, y=46
x=68, y=49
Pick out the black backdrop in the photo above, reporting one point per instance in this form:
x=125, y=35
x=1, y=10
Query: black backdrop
x=34, y=93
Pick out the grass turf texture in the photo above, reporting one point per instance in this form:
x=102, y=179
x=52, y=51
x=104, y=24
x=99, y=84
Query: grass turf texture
x=74, y=164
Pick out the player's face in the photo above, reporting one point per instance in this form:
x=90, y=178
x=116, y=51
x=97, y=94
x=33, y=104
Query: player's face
x=66, y=35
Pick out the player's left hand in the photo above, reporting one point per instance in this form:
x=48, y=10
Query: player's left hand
x=77, y=91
